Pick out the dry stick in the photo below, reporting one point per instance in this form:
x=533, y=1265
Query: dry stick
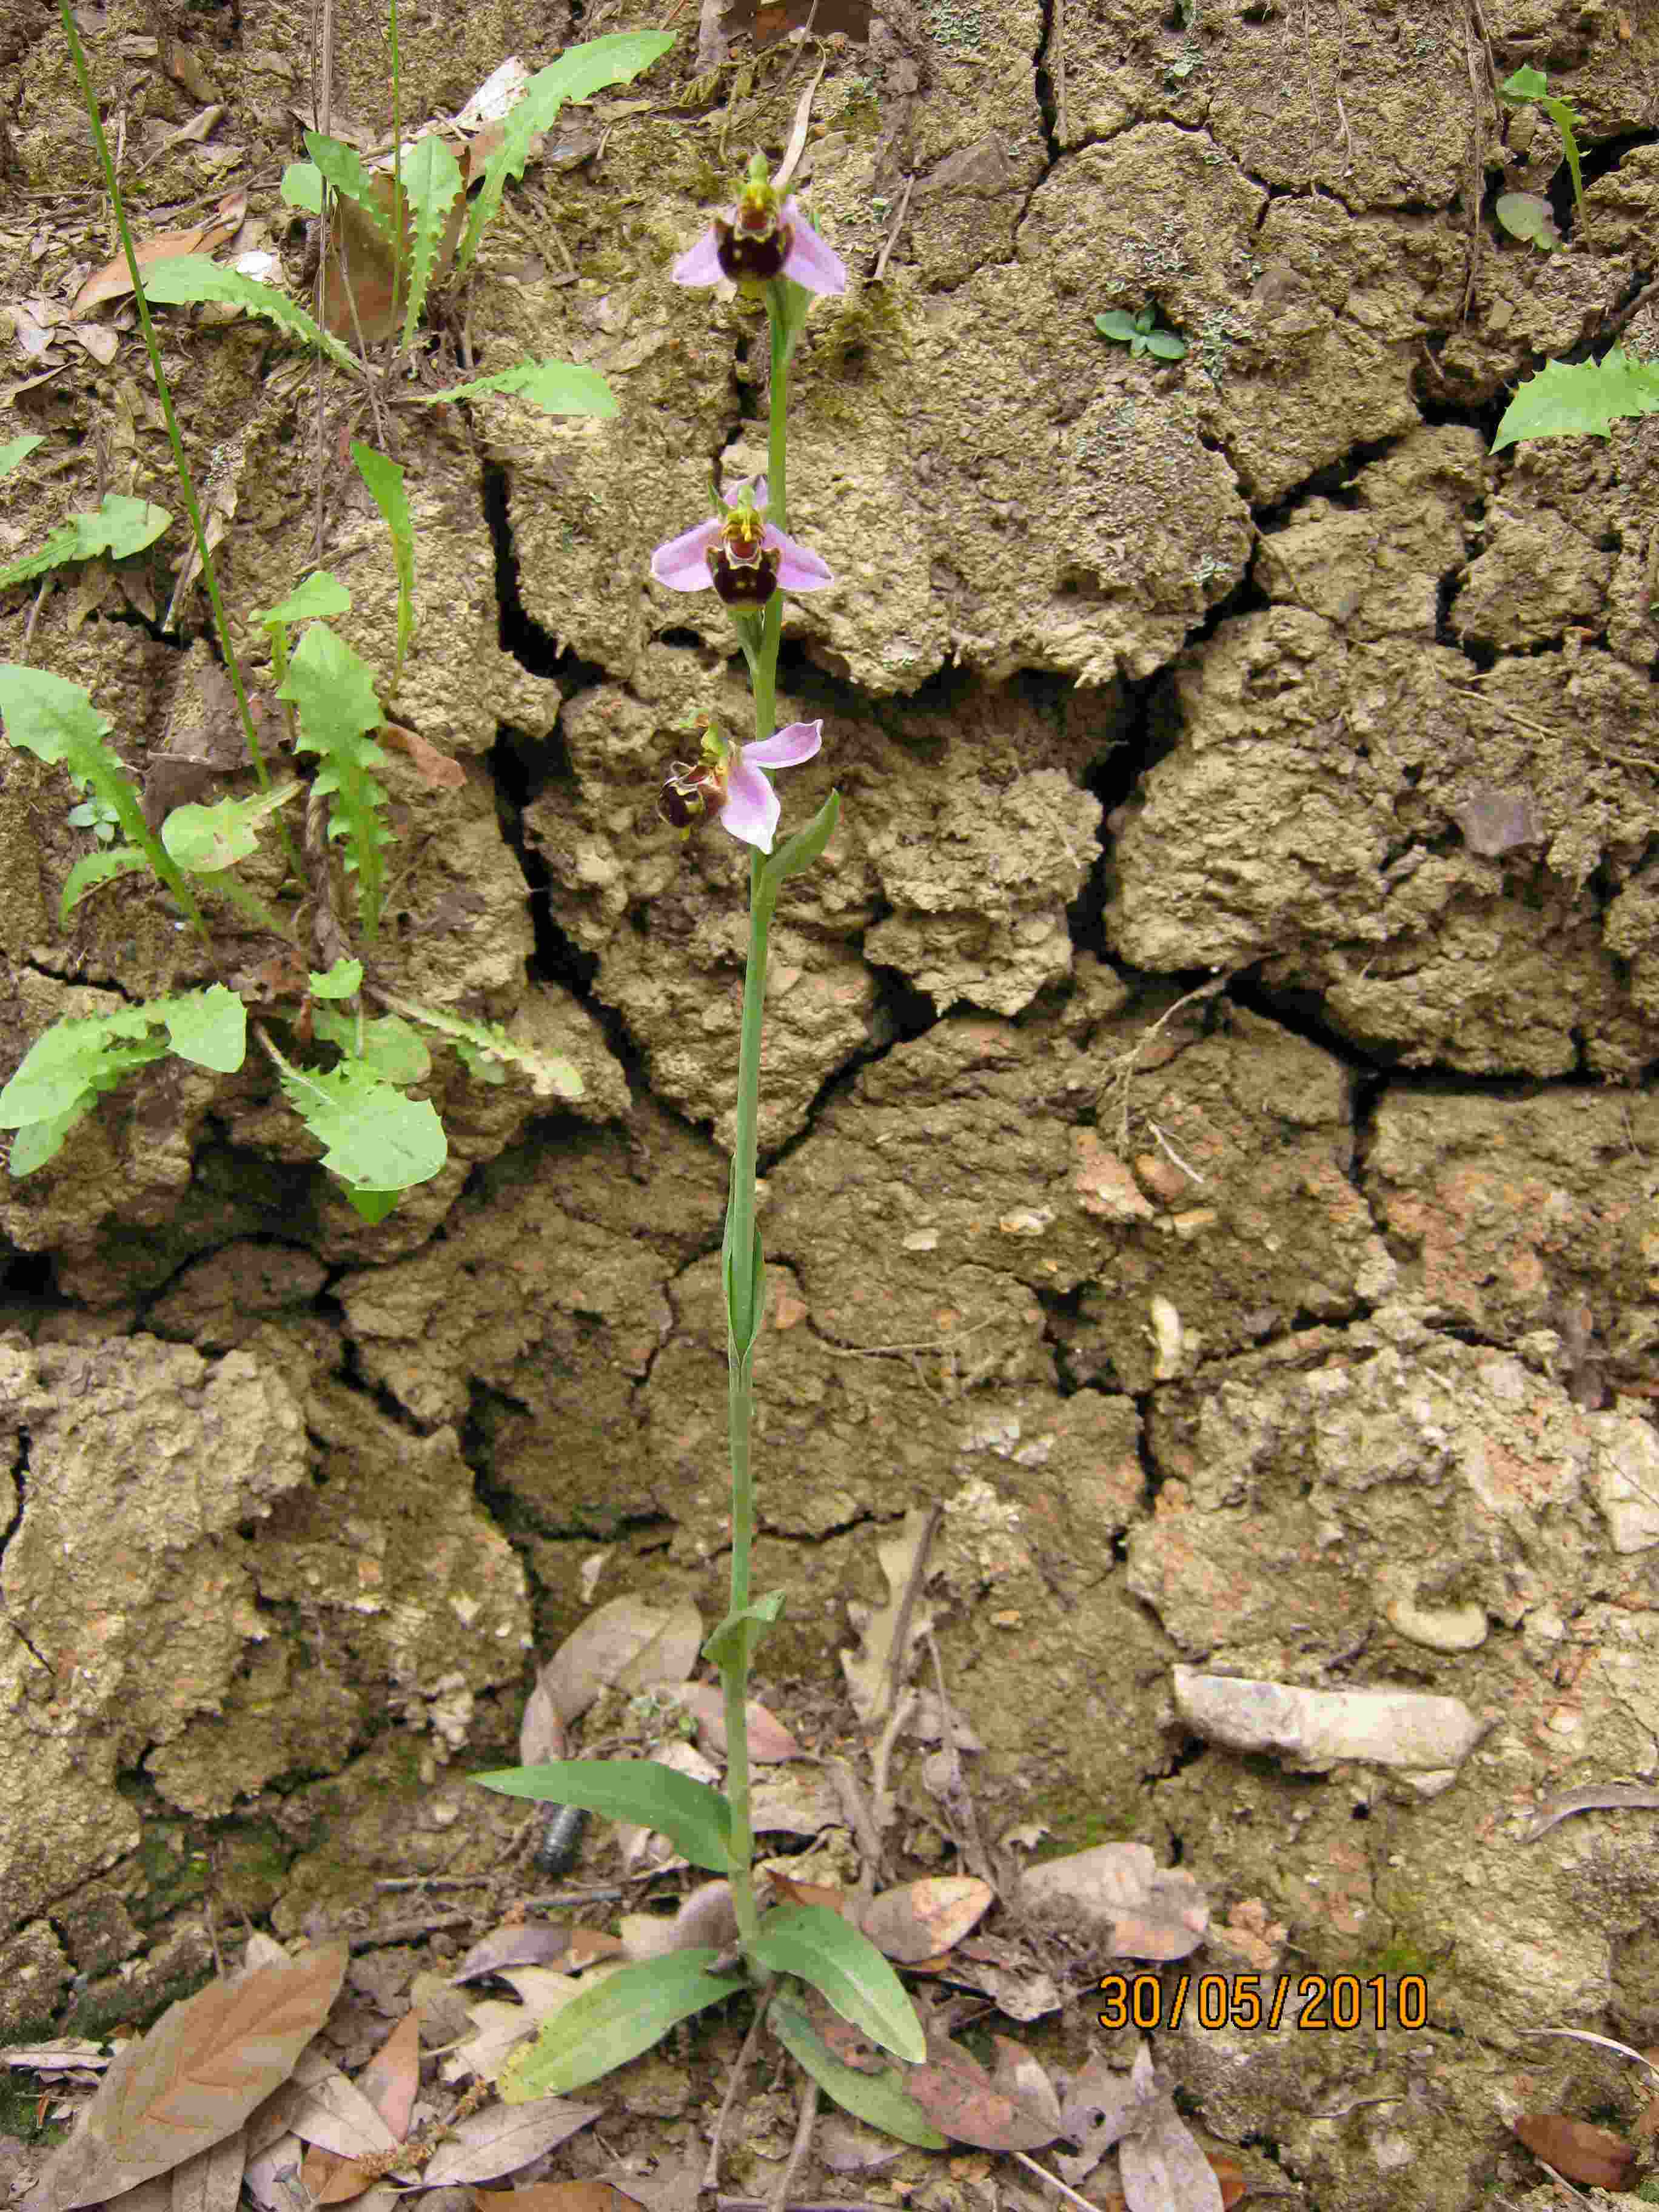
x=898, y=1656
x=1054, y=2182
x=977, y=1857
x=898, y=225
x=809, y=2113
x=711, y=2172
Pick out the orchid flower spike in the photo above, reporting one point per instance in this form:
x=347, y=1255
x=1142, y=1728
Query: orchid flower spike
x=760, y=239
x=740, y=554
x=730, y=776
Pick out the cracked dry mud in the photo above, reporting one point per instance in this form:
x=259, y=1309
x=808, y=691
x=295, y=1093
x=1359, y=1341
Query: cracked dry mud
x=1303, y=1330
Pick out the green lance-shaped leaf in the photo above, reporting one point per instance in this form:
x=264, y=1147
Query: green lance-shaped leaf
x=55, y=720
x=333, y=691
x=485, y=1048
x=557, y=388
x=340, y=167
x=614, y=2022
x=385, y=480
x=187, y=277
x=96, y=868
x=387, y=1045
x=738, y=1636
x=696, y=1819
x=432, y=185
x=117, y=526
x=745, y=1294
x=373, y=1137
x=321, y=596
x=819, y=1947
x=880, y=2099
x=17, y=451
x=578, y=74
x=206, y=839
x=37, y=1142
x=1529, y=84
x=1580, y=399
x=1118, y=323
x=807, y=845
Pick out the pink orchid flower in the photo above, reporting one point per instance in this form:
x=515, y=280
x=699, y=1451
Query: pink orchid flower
x=759, y=239
x=731, y=777
x=740, y=555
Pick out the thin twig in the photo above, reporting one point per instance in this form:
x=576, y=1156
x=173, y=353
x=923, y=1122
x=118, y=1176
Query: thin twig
x=809, y=2113
x=711, y=2172
x=1054, y=2182
x=34, y=613
x=859, y=1819
x=977, y=1857
x=898, y=1655
x=892, y=235
x=1126, y=1060
x=437, y=1881
x=411, y=1931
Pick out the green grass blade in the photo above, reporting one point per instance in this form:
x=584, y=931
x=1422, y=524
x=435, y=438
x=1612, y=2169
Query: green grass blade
x=340, y=169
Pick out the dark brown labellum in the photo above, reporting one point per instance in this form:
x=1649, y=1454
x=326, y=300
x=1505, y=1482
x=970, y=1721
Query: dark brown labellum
x=741, y=582
x=747, y=253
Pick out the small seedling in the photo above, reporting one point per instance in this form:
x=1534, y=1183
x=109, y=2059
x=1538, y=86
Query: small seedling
x=1139, y=334
x=1528, y=215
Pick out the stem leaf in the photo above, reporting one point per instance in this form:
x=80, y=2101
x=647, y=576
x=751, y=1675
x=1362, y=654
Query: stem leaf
x=880, y=2099
x=614, y=2022
x=432, y=183
x=819, y=1947
x=557, y=388
x=739, y=1635
x=807, y=845
x=696, y=1819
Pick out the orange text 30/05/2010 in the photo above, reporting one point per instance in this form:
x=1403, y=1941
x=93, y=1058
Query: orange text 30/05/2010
x=1314, y=2004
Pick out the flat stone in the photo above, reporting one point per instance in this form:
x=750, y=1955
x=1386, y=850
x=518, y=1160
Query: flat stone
x=1313, y=1729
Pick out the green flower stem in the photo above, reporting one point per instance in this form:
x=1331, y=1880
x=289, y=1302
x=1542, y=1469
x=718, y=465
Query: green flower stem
x=187, y=482
x=742, y=1280
x=777, y=504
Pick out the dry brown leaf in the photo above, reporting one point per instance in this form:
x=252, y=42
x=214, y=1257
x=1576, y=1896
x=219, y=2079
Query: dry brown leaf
x=1020, y=2075
x=769, y=1742
x=113, y=281
x=1099, y=2109
x=924, y=1919
x=1152, y=1912
x=557, y=2196
x=961, y=2099
x=359, y=267
x=503, y=2137
x=212, y=2180
x=1593, y=2155
x=441, y=770
x=389, y=2084
x=1007, y=1973
x=193, y=2079
x=867, y=1671
x=627, y=1645
x=519, y=1943
x=1162, y=2168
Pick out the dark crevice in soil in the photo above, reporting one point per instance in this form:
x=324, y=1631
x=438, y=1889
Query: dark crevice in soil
x=1048, y=102
x=529, y=644
x=1061, y=1309
x=1595, y=162
x=1298, y=1011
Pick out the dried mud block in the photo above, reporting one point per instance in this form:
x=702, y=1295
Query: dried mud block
x=1511, y=1214
x=145, y=1461
x=1313, y=813
x=1310, y=1489
x=1160, y=1209
x=1311, y=1730
x=32, y=1971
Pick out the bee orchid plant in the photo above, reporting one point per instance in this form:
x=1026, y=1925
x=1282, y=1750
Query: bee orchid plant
x=745, y=555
